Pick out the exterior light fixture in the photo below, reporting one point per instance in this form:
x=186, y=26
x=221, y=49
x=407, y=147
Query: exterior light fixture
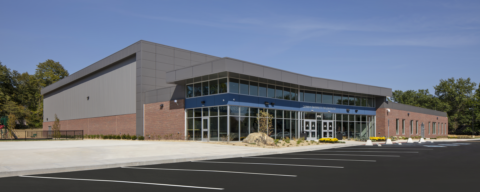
x=88, y=98
x=266, y=102
x=409, y=114
x=161, y=106
x=437, y=118
x=388, y=111
x=348, y=110
x=273, y=103
x=356, y=110
x=203, y=102
x=47, y=119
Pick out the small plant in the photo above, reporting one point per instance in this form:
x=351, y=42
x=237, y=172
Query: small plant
x=134, y=137
x=276, y=141
x=124, y=136
x=287, y=140
x=141, y=138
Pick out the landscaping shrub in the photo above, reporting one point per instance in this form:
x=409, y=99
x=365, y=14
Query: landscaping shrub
x=287, y=140
x=118, y=137
x=377, y=138
x=124, y=136
x=134, y=137
x=141, y=138
x=276, y=141
x=105, y=137
x=328, y=140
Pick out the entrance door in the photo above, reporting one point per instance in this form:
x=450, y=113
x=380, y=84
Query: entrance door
x=310, y=129
x=205, y=129
x=328, y=129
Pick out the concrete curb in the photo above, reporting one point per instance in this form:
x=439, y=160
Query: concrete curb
x=173, y=160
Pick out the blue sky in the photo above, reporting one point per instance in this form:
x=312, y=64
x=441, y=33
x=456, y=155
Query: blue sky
x=402, y=45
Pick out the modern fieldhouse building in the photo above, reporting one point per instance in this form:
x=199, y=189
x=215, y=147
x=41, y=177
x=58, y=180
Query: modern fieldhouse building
x=156, y=90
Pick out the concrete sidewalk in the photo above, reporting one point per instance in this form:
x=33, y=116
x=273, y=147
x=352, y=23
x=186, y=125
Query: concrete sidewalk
x=39, y=157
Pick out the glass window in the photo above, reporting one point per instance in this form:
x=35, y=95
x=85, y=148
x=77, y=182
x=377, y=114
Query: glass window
x=370, y=102
x=223, y=128
x=244, y=127
x=345, y=100
x=319, y=97
x=253, y=88
x=279, y=129
x=286, y=114
x=253, y=125
x=293, y=94
x=262, y=90
x=205, y=88
x=271, y=91
x=234, y=110
x=358, y=101
x=271, y=112
x=310, y=96
x=338, y=117
x=279, y=113
x=403, y=126
x=189, y=112
x=234, y=131
x=213, y=129
x=364, y=101
x=190, y=90
x=205, y=112
x=310, y=115
x=411, y=127
x=327, y=116
x=213, y=87
x=286, y=129
x=327, y=98
x=243, y=87
x=190, y=129
x=253, y=112
x=197, y=131
x=351, y=117
x=243, y=111
x=345, y=117
x=416, y=127
x=293, y=115
x=197, y=89
x=364, y=118
x=351, y=100
x=319, y=116
x=358, y=118
x=222, y=86
x=396, y=128
x=286, y=93
x=279, y=92
x=337, y=99
x=234, y=86
x=198, y=112
x=213, y=111
x=223, y=110
x=302, y=93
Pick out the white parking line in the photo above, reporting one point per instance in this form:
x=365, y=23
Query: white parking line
x=403, y=148
x=371, y=151
x=350, y=155
x=217, y=171
x=130, y=182
x=313, y=159
x=267, y=164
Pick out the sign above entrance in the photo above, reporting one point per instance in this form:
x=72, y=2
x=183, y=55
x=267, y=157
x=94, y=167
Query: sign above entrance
x=316, y=107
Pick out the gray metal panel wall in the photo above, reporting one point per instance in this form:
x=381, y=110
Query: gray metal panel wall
x=111, y=91
x=154, y=60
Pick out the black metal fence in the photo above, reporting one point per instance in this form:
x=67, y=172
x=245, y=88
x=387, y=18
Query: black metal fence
x=41, y=135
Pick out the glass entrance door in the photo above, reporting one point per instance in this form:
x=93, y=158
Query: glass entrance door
x=310, y=130
x=205, y=129
x=328, y=129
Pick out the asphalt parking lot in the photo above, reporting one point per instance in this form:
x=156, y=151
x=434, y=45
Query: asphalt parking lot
x=438, y=166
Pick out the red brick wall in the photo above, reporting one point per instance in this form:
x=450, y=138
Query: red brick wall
x=169, y=120
x=118, y=124
x=383, y=117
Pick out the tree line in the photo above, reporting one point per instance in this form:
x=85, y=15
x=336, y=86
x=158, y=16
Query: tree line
x=459, y=98
x=20, y=92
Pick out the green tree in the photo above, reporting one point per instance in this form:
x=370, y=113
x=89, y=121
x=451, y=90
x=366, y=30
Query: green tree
x=458, y=96
x=50, y=72
x=56, y=128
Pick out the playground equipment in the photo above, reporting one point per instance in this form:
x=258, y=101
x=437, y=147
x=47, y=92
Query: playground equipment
x=4, y=130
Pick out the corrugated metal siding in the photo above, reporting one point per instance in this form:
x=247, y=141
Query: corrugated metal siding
x=111, y=92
